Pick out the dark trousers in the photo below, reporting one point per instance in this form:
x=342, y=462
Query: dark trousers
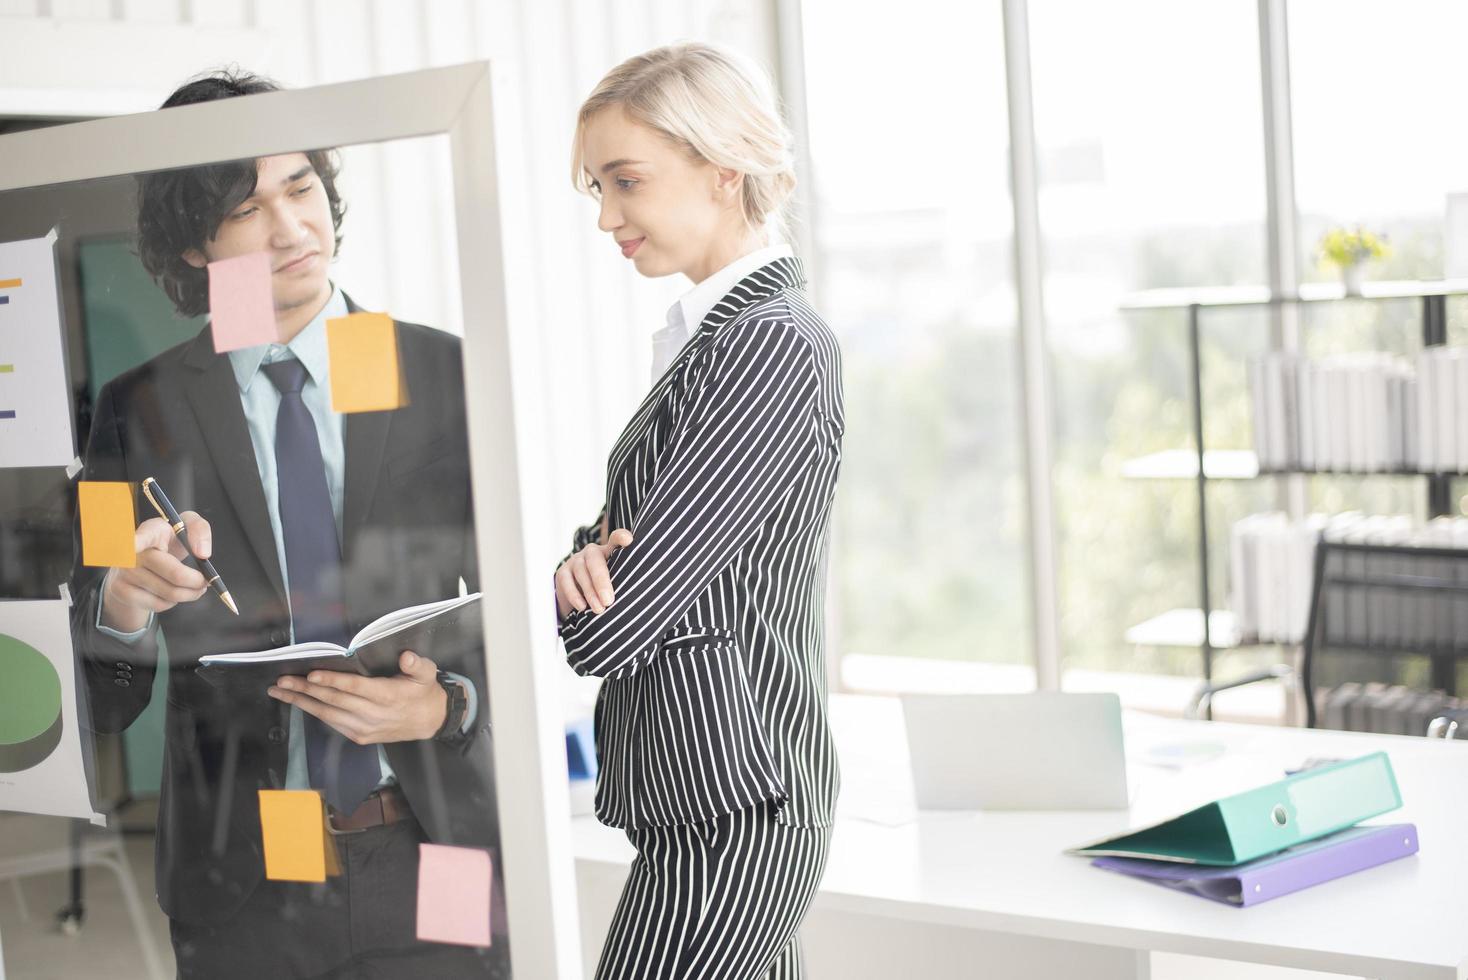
x=359, y=925
x=717, y=900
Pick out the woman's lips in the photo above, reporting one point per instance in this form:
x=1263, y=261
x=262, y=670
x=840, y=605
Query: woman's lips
x=628, y=247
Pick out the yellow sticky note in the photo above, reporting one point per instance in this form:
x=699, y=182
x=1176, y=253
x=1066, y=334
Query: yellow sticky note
x=366, y=375
x=292, y=824
x=108, y=524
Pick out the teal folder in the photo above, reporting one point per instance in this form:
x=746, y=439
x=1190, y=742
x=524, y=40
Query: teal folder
x=1261, y=821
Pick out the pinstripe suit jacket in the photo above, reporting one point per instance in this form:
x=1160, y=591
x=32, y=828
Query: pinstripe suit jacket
x=714, y=649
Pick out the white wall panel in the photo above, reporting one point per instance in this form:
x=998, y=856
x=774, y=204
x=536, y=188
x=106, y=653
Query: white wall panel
x=397, y=36
x=81, y=9
x=341, y=46
x=448, y=34
x=289, y=59
x=220, y=13
x=110, y=66
x=151, y=11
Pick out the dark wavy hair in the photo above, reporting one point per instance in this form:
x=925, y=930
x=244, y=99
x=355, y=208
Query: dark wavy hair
x=180, y=210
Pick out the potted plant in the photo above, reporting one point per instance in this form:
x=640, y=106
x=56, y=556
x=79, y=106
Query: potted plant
x=1348, y=249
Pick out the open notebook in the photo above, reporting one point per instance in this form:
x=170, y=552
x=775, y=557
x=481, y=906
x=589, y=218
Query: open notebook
x=443, y=631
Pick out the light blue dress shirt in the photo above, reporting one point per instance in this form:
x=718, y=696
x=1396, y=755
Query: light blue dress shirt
x=261, y=402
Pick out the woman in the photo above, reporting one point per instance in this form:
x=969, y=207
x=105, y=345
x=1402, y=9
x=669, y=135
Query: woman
x=703, y=610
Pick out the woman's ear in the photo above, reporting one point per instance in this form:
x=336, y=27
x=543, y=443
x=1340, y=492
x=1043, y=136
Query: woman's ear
x=195, y=258
x=728, y=184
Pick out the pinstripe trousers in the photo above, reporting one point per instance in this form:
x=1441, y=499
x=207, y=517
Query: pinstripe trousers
x=716, y=900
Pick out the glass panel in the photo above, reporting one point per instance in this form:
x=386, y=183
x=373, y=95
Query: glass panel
x=322, y=453
x=912, y=224
x=1151, y=168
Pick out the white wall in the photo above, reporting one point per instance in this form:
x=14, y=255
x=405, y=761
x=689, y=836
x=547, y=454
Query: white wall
x=593, y=315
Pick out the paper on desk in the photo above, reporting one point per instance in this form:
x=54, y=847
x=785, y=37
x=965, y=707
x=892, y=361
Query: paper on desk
x=366, y=375
x=454, y=887
x=108, y=523
x=1179, y=754
x=293, y=826
x=241, y=304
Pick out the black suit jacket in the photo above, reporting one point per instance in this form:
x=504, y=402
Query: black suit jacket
x=407, y=537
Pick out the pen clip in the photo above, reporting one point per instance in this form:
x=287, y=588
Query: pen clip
x=148, y=492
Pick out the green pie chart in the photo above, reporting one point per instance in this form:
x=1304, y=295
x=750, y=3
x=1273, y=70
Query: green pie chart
x=30, y=705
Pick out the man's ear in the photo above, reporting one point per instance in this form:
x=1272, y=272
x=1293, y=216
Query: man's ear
x=195, y=258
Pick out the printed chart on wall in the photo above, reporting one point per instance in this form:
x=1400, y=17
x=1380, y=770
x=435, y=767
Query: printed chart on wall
x=41, y=769
x=35, y=409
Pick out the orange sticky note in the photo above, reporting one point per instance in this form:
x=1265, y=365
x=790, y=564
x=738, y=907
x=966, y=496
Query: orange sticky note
x=292, y=823
x=454, y=885
x=241, y=302
x=366, y=375
x=108, y=524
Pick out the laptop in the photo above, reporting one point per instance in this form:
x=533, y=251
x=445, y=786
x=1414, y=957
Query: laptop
x=1040, y=751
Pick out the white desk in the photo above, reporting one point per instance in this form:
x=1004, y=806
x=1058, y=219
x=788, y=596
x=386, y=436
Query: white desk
x=936, y=895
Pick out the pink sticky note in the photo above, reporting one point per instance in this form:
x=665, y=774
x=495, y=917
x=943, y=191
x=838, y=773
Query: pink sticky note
x=241, y=306
x=454, y=886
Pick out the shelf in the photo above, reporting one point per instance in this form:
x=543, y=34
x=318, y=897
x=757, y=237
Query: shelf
x=1300, y=471
x=1235, y=464
x=1210, y=296
x=1310, y=292
x=1182, y=464
x=1184, y=628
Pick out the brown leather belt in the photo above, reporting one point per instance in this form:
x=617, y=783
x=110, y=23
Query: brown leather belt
x=383, y=806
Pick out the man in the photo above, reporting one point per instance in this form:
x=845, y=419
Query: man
x=318, y=523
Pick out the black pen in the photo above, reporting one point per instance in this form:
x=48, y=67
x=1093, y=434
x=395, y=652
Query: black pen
x=165, y=510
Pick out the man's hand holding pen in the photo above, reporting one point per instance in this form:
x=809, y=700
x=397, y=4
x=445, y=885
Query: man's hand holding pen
x=160, y=580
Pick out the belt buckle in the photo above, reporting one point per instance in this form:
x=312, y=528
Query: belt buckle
x=331, y=827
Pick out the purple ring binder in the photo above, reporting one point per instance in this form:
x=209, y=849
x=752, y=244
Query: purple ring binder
x=1291, y=870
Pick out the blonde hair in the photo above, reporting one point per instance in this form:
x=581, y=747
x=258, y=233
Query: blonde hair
x=716, y=105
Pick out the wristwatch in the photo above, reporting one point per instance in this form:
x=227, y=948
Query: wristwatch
x=452, y=729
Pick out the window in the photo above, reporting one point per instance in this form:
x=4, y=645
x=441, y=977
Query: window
x=912, y=222
x=1151, y=175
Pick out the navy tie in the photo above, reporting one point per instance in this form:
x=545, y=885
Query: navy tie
x=344, y=771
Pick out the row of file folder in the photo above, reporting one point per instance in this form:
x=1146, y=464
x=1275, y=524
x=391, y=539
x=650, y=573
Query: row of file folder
x=1272, y=580
x=1361, y=412
x=1378, y=707
x=1257, y=845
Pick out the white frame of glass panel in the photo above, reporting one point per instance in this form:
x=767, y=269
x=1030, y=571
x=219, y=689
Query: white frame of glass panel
x=473, y=105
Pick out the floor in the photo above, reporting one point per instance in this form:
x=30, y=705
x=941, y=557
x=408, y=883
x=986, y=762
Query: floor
x=34, y=947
